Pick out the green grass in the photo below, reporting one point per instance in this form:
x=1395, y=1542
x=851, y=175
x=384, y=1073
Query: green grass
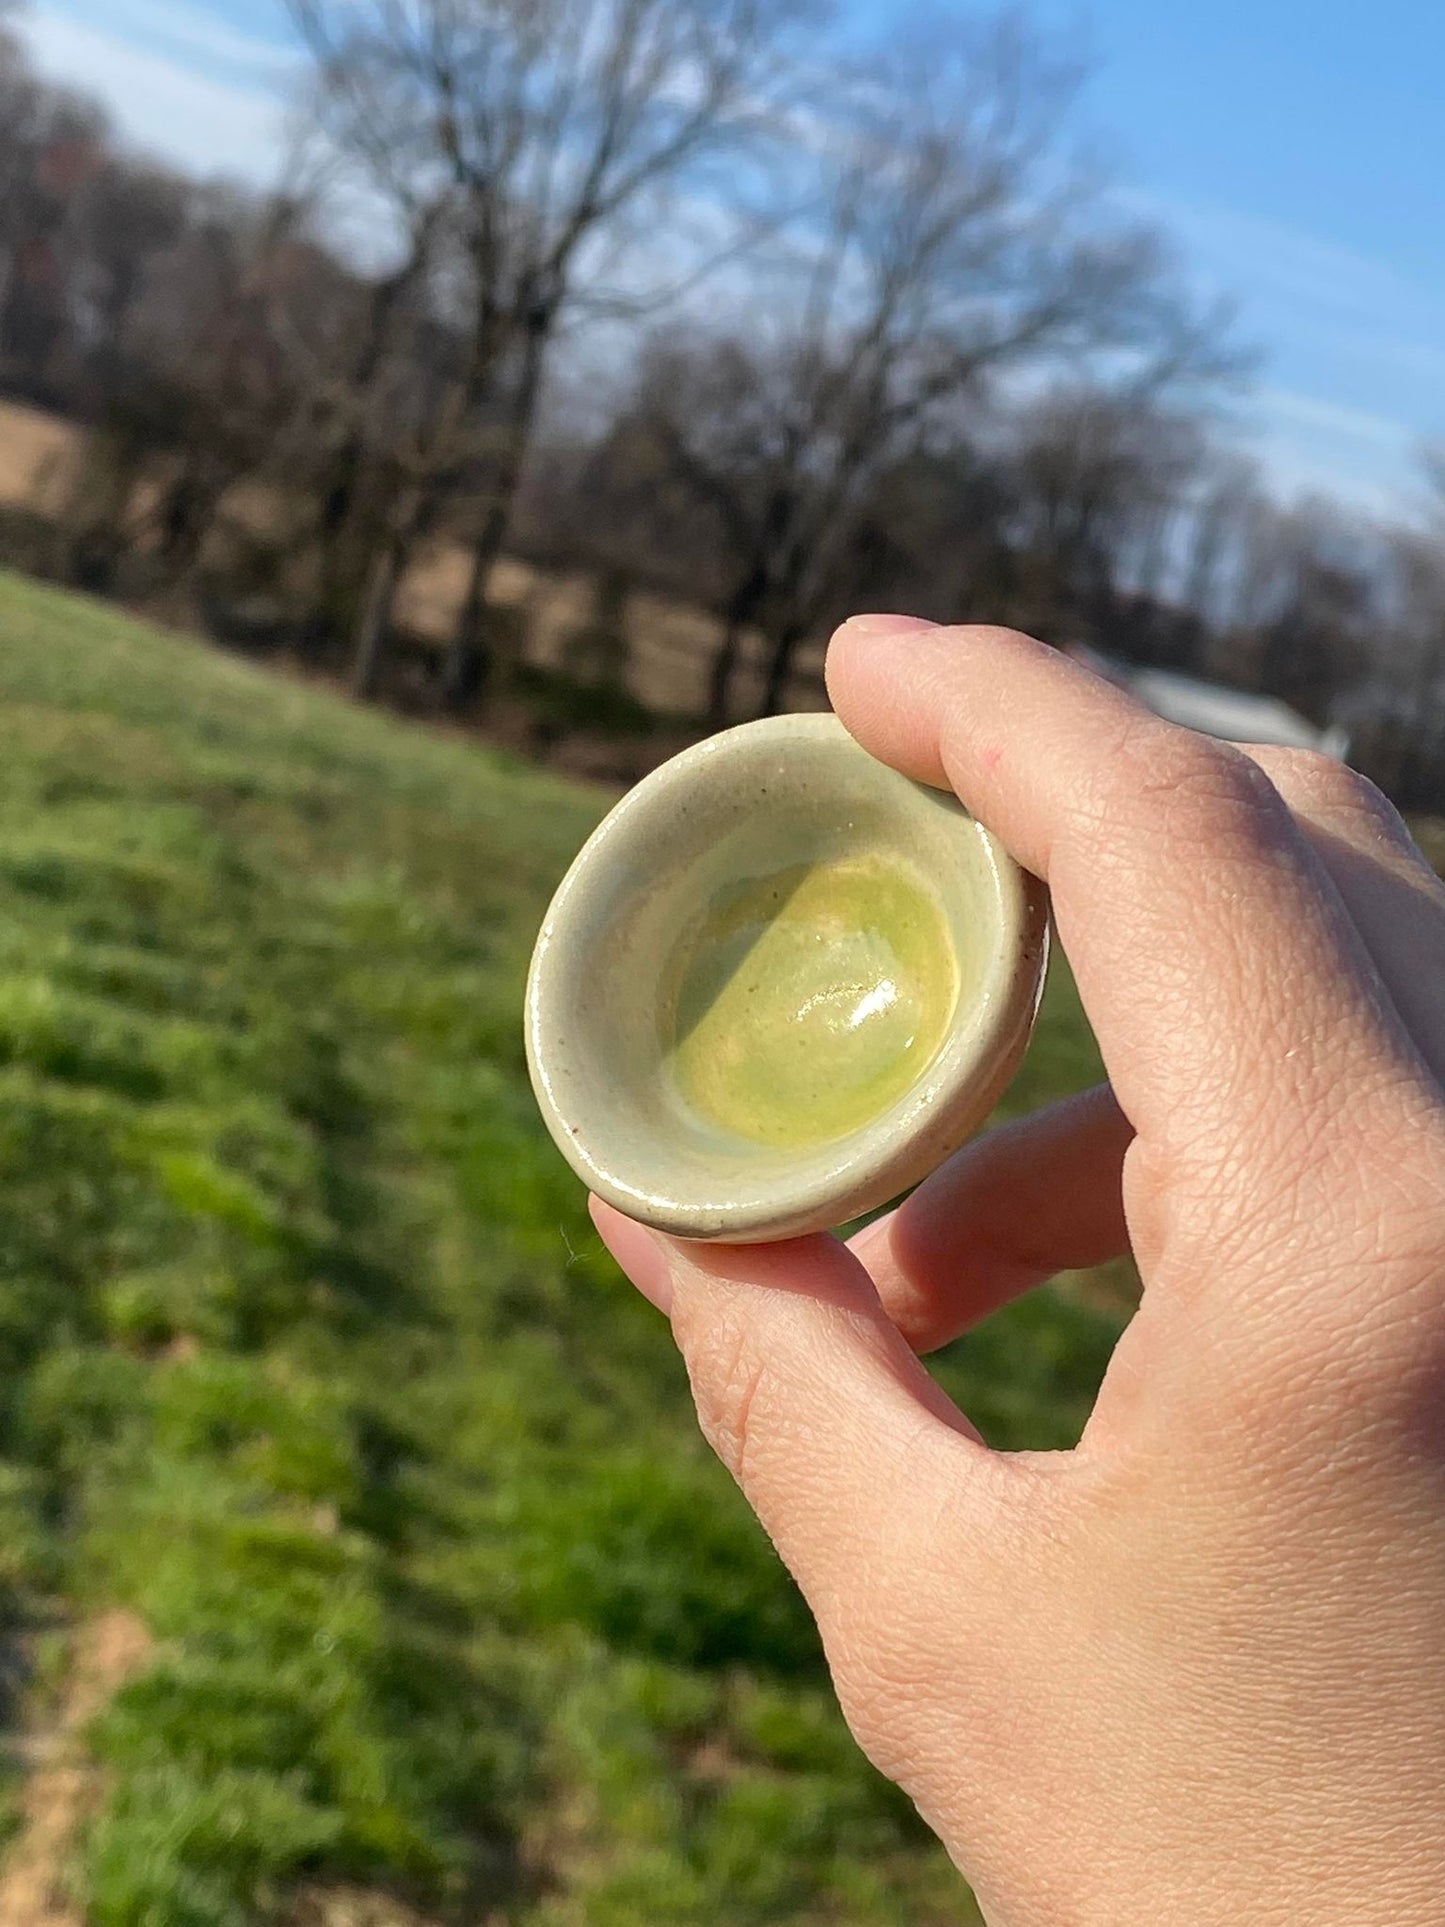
x=309, y=1356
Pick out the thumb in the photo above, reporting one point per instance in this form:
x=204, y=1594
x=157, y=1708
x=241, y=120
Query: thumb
x=846, y=1449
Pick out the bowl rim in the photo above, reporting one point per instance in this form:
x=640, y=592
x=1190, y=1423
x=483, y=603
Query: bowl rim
x=881, y=1159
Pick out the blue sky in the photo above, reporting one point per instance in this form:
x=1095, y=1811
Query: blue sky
x=1296, y=148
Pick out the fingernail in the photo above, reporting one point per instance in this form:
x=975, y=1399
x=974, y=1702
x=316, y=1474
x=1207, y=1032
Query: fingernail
x=889, y=625
x=641, y=1255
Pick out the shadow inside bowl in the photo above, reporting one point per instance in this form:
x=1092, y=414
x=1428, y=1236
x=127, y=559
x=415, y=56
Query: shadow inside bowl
x=806, y=1002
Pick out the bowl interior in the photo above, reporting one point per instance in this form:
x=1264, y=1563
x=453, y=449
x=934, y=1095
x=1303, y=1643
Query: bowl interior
x=774, y=951
x=806, y=996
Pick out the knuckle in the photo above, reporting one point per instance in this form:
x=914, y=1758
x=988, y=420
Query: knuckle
x=1188, y=768
x=1201, y=790
x=729, y=1374
x=1321, y=783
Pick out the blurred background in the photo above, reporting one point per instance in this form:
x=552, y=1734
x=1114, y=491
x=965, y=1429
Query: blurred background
x=418, y=418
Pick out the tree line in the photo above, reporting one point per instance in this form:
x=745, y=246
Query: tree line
x=696, y=295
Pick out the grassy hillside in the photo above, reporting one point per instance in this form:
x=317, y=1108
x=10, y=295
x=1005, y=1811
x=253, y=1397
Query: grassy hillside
x=308, y=1358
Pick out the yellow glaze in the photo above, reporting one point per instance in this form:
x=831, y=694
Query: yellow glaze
x=805, y=1003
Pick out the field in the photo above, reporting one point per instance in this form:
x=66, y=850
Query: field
x=669, y=644
x=360, y=1560
x=34, y=449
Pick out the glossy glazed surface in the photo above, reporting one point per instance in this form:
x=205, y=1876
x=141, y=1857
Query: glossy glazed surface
x=807, y=1002
x=779, y=984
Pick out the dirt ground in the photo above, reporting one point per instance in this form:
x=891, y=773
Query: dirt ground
x=61, y=1788
x=350, y=1907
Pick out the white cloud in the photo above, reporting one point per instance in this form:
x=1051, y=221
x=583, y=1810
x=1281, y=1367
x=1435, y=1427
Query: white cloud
x=1355, y=348
x=148, y=63
x=189, y=30
x=1355, y=425
x=1289, y=263
x=1308, y=445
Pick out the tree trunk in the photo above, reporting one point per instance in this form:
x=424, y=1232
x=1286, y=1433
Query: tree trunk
x=747, y=601
x=724, y=669
x=338, y=501
x=780, y=667
x=414, y=517
x=342, y=477
x=184, y=518
x=471, y=666
x=373, y=623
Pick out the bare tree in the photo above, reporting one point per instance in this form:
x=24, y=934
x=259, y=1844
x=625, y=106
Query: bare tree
x=22, y=117
x=52, y=142
x=952, y=244
x=1095, y=474
x=203, y=387
x=355, y=404
x=1314, y=589
x=132, y=213
x=1229, y=495
x=551, y=123
x=949, y=380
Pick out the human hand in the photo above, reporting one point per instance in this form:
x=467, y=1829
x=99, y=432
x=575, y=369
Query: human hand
x=1193, y=1671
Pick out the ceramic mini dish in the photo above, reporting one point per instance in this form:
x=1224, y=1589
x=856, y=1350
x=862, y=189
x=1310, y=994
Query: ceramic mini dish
x=778, y=986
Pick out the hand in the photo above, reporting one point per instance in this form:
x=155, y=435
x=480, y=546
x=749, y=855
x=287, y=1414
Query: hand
x=1194, y=1671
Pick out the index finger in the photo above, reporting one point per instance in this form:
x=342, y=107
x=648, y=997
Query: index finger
x=1213, y=955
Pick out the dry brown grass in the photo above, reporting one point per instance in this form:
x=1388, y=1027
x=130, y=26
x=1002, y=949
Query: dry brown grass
x=34, y=448
x=349, y=1907
x=670, y=644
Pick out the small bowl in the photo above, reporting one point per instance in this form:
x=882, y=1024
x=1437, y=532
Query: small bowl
x=778, y=986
